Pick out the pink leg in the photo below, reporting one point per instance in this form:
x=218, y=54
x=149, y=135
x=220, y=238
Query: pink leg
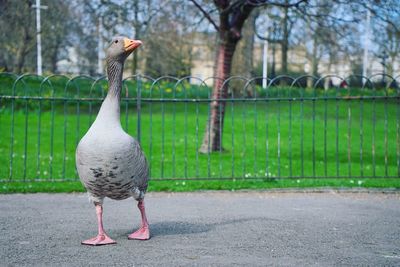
x=143, y=233
x=102, y=238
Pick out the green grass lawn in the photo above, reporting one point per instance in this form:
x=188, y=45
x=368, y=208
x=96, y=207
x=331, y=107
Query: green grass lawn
x=324, y=141
x=231, y=185
x=261, y=140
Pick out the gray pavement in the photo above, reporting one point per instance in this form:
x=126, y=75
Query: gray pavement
x=205, y=229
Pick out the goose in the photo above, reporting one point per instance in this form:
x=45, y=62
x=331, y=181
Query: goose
x=110, y=163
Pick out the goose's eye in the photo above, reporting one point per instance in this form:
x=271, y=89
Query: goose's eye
x=116, y=41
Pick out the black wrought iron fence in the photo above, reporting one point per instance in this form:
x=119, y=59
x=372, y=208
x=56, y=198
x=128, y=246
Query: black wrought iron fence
x=286, y=130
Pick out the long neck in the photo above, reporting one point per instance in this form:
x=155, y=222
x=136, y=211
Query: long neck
x=114, y=73
x=109, y=114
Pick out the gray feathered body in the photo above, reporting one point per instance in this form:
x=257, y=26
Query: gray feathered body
x=110, y=162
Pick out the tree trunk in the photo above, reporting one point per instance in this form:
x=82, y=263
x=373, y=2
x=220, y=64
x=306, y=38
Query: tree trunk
x=134, y=63
x=314, y=63
x=54, y=54
x=212, y=140
x=230, y=27
x=53, y=64
x=285, y=41
x=273, y=71
x=23, y=47
x=22, y=51
x=136, y=25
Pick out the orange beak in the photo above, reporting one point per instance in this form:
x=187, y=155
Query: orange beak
x=130, y=45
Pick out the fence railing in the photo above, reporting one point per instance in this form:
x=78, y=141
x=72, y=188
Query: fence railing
x=329, y=129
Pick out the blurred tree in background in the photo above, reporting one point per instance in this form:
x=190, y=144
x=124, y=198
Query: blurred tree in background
x=18, y=34
x=324, y=33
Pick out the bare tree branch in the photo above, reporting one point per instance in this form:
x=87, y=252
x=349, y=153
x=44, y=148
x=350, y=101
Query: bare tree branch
x=234, y=5
x=258, y=3
x=378, y=15
x=206, y=14
x=238, y=18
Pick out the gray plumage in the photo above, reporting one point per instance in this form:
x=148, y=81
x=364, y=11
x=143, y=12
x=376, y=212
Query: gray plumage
x=110, y=162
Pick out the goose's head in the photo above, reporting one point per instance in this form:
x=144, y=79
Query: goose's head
x=121, y=47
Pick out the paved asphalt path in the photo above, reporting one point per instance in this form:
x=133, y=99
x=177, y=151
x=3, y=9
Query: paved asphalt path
x=205, y=229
